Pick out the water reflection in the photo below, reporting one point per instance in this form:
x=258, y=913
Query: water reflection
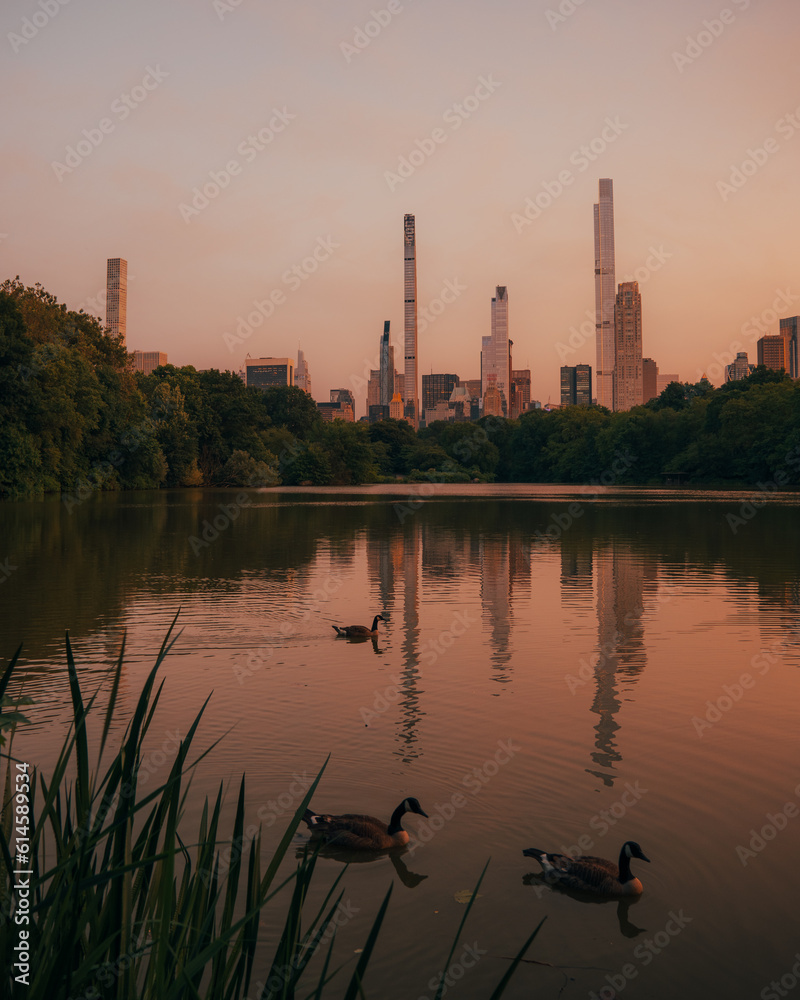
x=90, y=569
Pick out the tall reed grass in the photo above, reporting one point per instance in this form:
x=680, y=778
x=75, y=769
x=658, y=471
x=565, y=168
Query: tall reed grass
x=122, y=907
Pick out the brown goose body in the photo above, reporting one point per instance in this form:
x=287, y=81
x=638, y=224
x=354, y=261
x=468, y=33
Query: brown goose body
x=357, y=831
x=587, y=873
x=359, y=631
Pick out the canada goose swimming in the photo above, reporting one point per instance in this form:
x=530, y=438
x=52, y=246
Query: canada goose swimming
x=364, y=833
x=359, y=631
x=590, y=874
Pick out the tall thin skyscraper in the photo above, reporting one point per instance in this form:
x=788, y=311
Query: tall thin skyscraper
x=117, y=297
x=386, y=368
x=605, y=286
x=788, y=330
x=410, y=313
x=628, y=374
x=495, y=360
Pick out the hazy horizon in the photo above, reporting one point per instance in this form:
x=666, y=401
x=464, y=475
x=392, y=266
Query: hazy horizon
x=304, y=134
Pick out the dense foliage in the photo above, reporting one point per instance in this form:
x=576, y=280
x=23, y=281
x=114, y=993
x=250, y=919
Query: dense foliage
x=75, y=417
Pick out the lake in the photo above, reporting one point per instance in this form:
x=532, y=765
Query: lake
x=562, y=668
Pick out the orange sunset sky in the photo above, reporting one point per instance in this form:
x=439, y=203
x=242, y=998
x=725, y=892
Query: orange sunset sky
x=300, y=115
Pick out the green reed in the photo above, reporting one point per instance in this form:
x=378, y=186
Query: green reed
x=121, y=907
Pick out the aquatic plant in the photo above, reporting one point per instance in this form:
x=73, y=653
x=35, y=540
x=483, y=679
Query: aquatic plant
x=109, y=901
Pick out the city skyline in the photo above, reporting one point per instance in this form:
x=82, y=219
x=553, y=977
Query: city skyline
x=252, y=169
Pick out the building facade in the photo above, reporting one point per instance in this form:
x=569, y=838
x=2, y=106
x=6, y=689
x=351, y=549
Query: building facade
x=496, y=356
x=520, y=391
x=117, y=297
x=605, y=287
x=576, y=385
x=662, y=381
x=788, y=329
x=436, y=389
x=386, y=369
x=410, y=320
x=338, y=410
x=773, y=352
x=649, y=380
x=266, y=372
x=583, y=385
x=302, y=377
x=628, y=347
x=740, y=368
x=148, y=361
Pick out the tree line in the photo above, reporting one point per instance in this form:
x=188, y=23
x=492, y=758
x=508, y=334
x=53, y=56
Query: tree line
x=75, y=417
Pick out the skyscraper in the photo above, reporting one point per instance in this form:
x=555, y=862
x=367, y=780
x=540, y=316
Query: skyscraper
x=117, y=297
x=740, y=368
x=266, y=372
x=148, y=361
x=521, y=383
x=386, y=368
x=302, y=377
x=583, y=385
x=567, y=385
x=604, y=292
x=495, y=367
x=788, y=330
x=649, y=379
x=437, y=388
x=628, y=386
x=410, y=315
x=773, y=352
x=576, y=385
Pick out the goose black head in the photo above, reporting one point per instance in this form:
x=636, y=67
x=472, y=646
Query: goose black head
x=412, y=805
x=633, y=850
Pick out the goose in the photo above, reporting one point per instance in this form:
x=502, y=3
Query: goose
x=364, y=833
x=359, y=631
x=590, y=874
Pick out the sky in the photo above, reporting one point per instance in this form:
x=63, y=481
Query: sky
x=238, y=152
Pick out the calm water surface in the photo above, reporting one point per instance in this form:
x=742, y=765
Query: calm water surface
x=562, y=668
